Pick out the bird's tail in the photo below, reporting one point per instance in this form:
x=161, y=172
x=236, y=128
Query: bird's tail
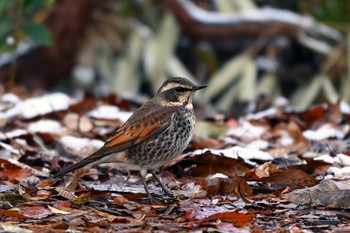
x=74, y=167
x=93, y=158
x=103, y=155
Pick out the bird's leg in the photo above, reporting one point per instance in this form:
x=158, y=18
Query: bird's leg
x=165, y=189
x=150, y=198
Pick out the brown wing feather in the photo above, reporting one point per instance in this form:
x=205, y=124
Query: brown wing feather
x=132, y=132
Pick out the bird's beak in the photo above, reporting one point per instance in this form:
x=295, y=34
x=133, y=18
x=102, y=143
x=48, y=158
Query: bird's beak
x=199, y=87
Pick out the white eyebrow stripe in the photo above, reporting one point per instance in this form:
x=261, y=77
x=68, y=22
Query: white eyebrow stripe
x=174, y=85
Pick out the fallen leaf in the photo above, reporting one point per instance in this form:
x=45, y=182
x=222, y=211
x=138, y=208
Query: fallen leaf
x=77, y=123
x=6, y=165
x=208, y=164
x=328, y=193
x=66, y=194
x=12, y=213
x=44, y=183
x=57, y=211
x=36, y=212
x=120, y=200
x=313, y=114
x=239, y=219
x=84, y=106
x=6, y=188
x=14, y=199
x=110, y=217
x=223, y=185
x=14, y=228
x=291, y=177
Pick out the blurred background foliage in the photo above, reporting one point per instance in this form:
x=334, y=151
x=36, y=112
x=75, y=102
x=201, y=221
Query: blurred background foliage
x=20, y=19
x=252, y=53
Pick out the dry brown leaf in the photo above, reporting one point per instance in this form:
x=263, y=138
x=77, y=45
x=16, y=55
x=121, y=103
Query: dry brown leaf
x=227, y=186
x=209, y=164
x=27, y=167
x=42, y=194
x=291, y=129
x=110, y=217
x=328, y=193
x=68, y=195
x=84, y=106
x=319, y=115
x=44, y=183
x=61, y=205
x=266, y=170
x=217, y=213
x=239, y=219
x=16, y=174
x=12, y=213
x=71, y=183
x=120, y=200
x=6, y=165
x=313, y=114
x=36, y=212
x=291, y=177
x=203, y=143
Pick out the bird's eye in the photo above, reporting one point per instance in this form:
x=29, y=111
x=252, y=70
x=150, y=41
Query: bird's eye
x=180, y=89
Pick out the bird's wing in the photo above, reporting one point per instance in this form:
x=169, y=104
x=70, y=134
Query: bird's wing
x=132, y=132
x=129, y=135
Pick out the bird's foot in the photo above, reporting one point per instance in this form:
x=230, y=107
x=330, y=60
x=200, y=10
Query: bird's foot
x=168, y=197
x=152, y=200
x=169, y=193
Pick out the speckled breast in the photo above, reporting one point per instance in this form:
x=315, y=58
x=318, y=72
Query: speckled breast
x=159, y=150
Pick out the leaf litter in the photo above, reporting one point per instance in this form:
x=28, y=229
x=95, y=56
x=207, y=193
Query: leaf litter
x=276, y=169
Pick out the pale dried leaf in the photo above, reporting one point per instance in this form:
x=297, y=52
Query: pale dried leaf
x=268, y=85
x=248, y=83
x=225, y=6
x=304, y=96
x=120, y=188
x=344, y=87
x=57, y=211
x=229, y=72
x=245, y=5
x=161, y=49
x=329, y=90
x=14, y=228
x=127, y=81
x=226, y=101
x=176, y=68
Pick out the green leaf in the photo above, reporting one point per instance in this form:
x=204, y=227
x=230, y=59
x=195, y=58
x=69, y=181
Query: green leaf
x=39, y=33
x=31, y=6
x=6, y=30
x=4, y=4
x=5, y=48
x=14, y=199
x=5, y=26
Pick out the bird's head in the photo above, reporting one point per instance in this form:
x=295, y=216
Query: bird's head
x=178, y=92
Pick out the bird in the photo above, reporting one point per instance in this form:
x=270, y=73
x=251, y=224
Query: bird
x=155, y=134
